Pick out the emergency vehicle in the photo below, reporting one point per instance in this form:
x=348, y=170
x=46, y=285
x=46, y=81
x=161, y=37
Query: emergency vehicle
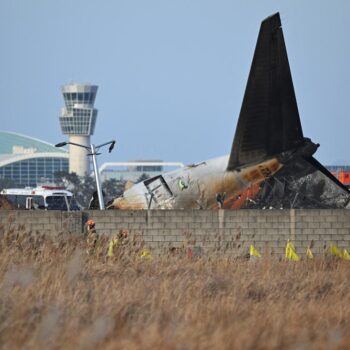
x=41, y=198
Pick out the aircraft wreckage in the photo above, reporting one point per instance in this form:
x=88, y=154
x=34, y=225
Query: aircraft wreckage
x=271, y=163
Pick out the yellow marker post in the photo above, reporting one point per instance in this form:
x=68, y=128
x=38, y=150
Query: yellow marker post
x=254, y=252
x=291, y=254
x=309, y=253
x=146, y=254
x=346, y=254
x=334, y=250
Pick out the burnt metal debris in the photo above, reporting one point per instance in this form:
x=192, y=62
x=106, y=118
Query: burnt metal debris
x=271, y=163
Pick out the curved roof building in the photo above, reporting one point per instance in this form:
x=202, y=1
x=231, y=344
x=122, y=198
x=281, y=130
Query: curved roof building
x=28, y=161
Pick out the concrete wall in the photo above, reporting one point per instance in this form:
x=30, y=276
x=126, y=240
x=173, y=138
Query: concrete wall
x=213, y=230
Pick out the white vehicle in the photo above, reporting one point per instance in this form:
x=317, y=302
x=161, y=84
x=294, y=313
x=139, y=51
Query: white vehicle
x=41, y=198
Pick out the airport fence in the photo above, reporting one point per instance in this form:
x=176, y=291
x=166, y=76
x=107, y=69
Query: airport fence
x=217, y=231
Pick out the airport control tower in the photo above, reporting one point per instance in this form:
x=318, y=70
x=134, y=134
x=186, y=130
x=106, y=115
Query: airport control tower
x=77, y=120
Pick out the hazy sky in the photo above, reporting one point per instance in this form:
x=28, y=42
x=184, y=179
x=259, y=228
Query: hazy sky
x=171, y=74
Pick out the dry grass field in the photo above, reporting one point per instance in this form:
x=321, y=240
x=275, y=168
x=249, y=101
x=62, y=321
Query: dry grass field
x=54, y=296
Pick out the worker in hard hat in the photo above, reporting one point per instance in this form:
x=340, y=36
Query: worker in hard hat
x=116, y=242
x=123, y=237
x=112, y=246
x=92, y=237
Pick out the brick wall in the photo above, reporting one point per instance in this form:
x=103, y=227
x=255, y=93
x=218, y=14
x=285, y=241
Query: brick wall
x=222, y=231
x=50, y=222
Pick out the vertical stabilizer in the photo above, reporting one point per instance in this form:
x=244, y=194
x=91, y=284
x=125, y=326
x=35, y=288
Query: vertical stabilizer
x=269, y=120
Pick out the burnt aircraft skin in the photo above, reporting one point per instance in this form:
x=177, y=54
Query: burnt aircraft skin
x=300, y=185
x=195, y=187
x=268, y=149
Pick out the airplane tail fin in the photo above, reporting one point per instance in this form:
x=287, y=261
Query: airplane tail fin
x=269, y=120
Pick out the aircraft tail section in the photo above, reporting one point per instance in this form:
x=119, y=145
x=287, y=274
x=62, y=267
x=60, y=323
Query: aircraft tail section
x=269, y=120
x=302, y=183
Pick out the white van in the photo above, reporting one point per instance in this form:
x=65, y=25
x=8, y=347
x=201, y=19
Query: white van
x=41, y=198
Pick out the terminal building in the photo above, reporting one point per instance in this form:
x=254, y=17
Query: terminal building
x=26, y=161
x=77, y=120
x=134, y=170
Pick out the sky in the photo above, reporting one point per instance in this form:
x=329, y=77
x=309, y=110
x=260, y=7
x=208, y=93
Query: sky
x=171, y=73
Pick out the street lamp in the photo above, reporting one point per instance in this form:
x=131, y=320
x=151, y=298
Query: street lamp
x=93, y=152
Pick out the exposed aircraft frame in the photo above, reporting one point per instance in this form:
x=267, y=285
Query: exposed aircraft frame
x=271, y=163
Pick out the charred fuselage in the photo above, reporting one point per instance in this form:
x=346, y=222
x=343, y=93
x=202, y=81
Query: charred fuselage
x=271, y=163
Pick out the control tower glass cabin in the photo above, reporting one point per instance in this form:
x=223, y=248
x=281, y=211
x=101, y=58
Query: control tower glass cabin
x=77, y=120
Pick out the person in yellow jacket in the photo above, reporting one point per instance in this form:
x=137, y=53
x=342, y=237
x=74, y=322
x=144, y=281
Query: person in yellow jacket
x=112, y=246
x=116, y=242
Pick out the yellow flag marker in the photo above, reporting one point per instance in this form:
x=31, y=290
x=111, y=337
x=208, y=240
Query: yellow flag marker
x=309, y=253
x=335, y=251
x=254, y=252
x=290, y=252
x=346, y=255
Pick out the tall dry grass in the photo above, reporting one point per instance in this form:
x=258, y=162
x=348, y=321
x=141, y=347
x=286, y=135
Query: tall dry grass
x=54, y=296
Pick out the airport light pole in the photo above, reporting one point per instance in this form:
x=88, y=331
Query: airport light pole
x=93, y=152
